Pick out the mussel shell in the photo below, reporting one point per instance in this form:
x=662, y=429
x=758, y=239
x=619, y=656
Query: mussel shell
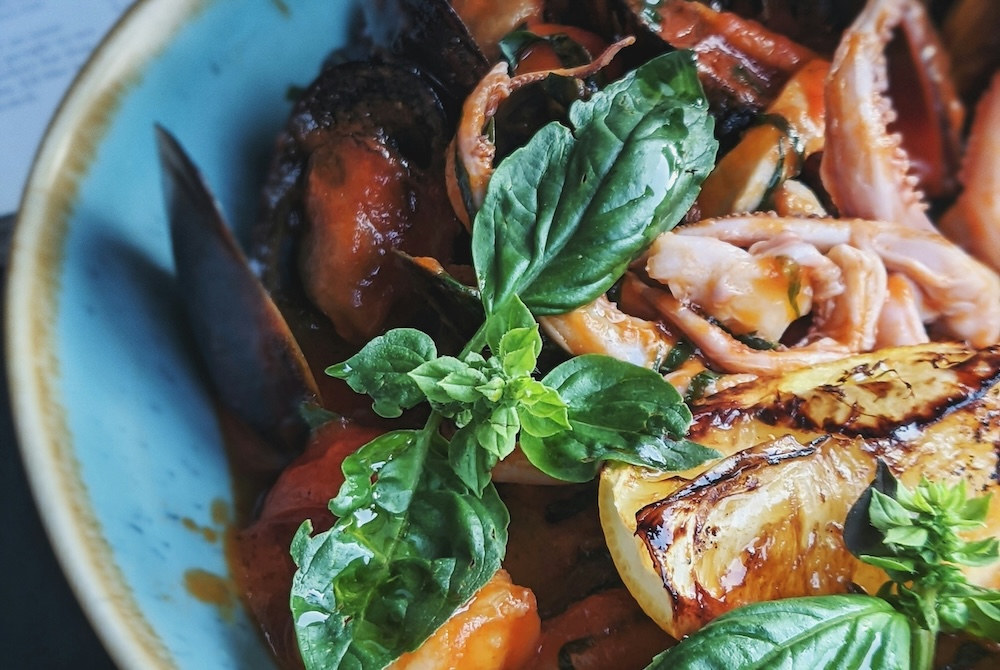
x=256, y=366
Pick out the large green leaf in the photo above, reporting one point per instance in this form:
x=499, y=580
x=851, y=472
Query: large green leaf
x=818, y=633
x=412, y=544
x=565, y=214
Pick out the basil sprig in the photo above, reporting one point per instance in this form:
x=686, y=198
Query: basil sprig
x=421, y=527
x=411, y=545
x=915, y=537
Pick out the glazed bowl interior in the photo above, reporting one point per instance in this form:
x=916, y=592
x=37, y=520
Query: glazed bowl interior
x=123, y=449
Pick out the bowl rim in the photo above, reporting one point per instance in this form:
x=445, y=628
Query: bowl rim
x=31, y=303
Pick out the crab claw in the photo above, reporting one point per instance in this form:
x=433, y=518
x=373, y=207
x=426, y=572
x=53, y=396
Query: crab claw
x=254, y=362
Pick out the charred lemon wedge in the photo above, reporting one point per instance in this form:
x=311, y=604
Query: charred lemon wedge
x=765, y=521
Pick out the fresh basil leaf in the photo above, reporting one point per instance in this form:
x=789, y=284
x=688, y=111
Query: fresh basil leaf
x=463, y=385
x=498, y=434
x=953, y=614
x=907, y=536
x=983, y=613
x=616, y=411
x=493, y=389
x=915, y=537
x=977, y=553
x=447, y=380
x=519, y=349
x=818, y=633
x=381, y=370
x=470, y=462
x=891, y=564
x=565, y=214
x=510, y=315
x=886, y=513
x=913, y=501
x=541, y=410
x=975, y=510
x=412, y=544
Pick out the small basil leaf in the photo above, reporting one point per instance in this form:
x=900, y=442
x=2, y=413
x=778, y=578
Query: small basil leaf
x=860, y=536
x=541, y=410
x=511, y=315
x=493, y=389
x=953, y=614
x=984, y=616
x=381, y=369
x=818, y=633
x=519, y=349
x=446, y=380
x=565, y=214
x=891, y=564
x=915, y=501
x=906, y=536
x=977, y=553
x=886, y=513
x=413, y=543
x=616, y=411
x=471, y=463
x=463, y=385
x=498, y=434
x=975, y=510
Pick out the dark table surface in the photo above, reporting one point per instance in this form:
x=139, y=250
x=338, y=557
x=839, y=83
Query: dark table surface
x=41, y=623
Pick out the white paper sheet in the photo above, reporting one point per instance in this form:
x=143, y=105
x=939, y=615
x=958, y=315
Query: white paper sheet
x=43, y=43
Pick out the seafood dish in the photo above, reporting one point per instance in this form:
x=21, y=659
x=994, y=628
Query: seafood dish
x=607, y=334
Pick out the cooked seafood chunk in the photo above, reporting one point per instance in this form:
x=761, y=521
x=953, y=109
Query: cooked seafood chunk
x=601, y=328
x=469, y=160
x=974, y=220
x=496, y=630
x=756, y=290
x=959, y=294
x=877, y=155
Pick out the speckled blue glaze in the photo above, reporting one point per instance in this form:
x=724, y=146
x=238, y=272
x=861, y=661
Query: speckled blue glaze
x=143, y=440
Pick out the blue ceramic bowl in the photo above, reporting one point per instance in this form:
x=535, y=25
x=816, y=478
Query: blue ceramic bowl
x=122, y=447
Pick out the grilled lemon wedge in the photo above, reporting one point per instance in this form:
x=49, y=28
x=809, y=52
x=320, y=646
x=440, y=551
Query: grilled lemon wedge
x=765, y=521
